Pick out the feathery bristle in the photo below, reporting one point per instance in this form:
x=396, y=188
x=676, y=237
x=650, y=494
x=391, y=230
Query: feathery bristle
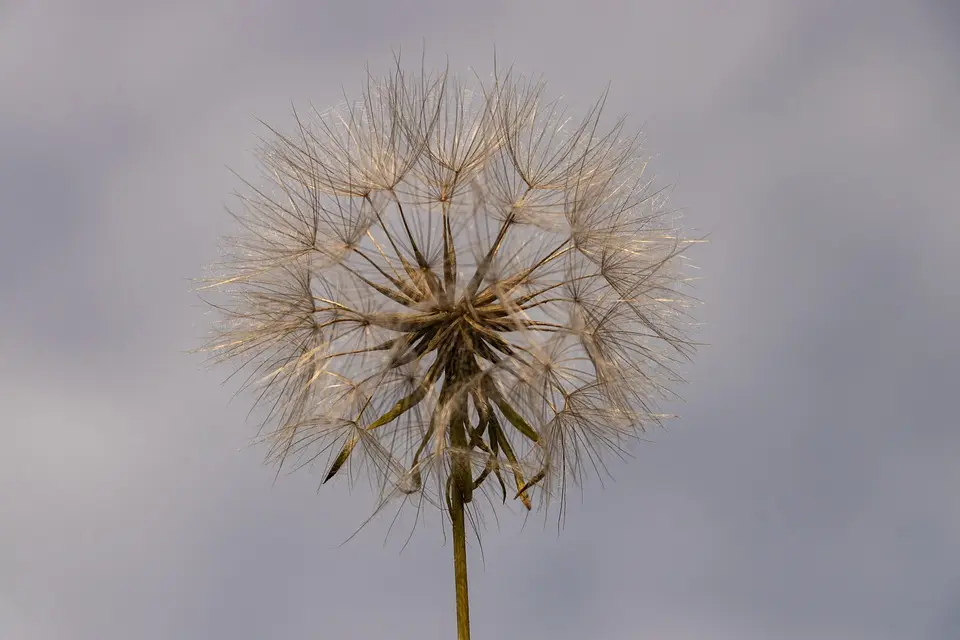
x=454, y=285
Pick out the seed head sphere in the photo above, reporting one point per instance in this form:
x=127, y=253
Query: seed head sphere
x=453, y=287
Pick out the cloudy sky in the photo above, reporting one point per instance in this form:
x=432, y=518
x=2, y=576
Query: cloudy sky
x=809, y=489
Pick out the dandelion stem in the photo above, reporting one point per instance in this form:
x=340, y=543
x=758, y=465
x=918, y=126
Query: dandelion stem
x=457, y=517
x=459, y=485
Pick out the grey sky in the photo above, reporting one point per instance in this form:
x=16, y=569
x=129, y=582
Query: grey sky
x=809, y=488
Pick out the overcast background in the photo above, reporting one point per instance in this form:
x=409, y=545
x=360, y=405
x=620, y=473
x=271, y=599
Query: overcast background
x=810, y=488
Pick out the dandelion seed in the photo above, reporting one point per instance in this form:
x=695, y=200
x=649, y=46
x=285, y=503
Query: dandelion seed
x=453, y=289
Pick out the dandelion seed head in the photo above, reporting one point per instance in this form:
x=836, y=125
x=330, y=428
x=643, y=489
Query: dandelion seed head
x=448, y=286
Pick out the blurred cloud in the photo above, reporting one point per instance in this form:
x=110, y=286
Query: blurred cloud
x=808, y=490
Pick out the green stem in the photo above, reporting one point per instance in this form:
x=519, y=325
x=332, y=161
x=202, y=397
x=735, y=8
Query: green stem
x=459, y=483
x=457, y=516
